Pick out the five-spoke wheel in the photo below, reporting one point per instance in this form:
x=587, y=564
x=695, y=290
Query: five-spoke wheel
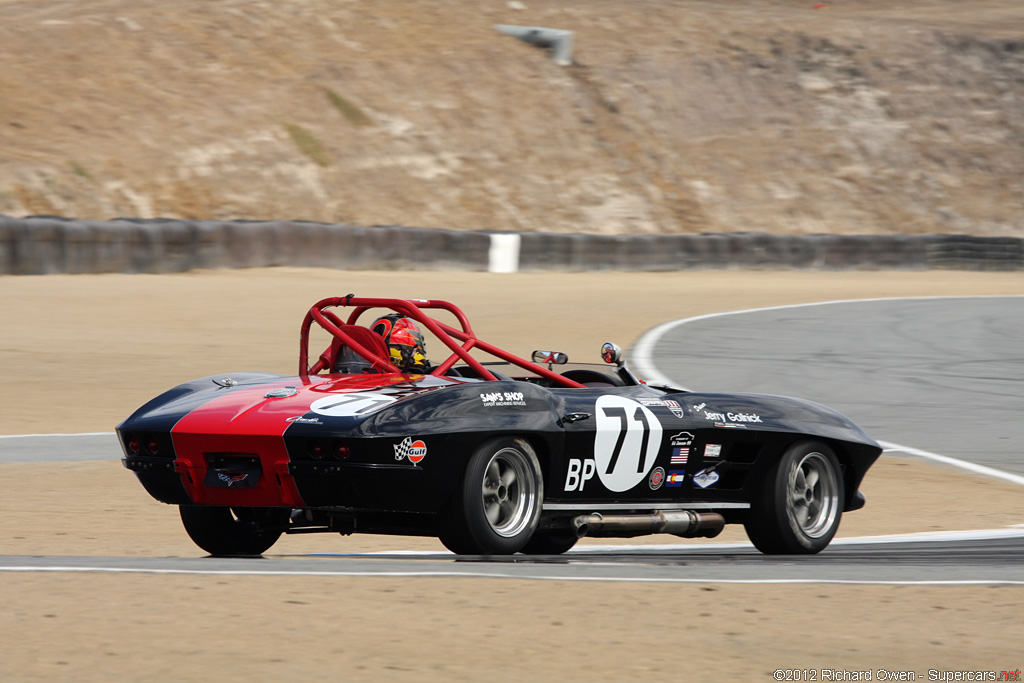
x=800, y=505
x=497, y=508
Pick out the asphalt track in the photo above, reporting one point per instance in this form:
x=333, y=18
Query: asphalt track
x=942, y=374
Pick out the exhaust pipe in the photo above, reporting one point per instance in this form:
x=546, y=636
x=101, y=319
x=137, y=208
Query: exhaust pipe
x=679, y=523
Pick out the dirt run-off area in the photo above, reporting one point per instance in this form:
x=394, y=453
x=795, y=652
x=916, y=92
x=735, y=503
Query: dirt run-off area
x=857, y=116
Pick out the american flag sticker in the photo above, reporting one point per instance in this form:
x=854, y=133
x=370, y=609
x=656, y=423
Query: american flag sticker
x=679, y=455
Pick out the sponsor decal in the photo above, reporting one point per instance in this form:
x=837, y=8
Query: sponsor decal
x=626, y=442
x=679, y=455
x=731, y=417
x=700, y=406
x=283, y=392
x=232, y=479
x=503, y=398
x=351, y=405
x=730, y=426
x=681, y=439
x=705, y=478
x=304, y=420
x=653, y=402
x=675, y=478
x=674, y=406
x=413, y=450
x=657, y=478
x=578, y=473
x=713, y=450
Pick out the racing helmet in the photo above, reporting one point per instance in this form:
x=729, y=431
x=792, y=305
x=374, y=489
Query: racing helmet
x=405, y=342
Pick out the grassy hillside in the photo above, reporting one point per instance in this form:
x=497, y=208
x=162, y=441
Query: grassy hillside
x=765, y=115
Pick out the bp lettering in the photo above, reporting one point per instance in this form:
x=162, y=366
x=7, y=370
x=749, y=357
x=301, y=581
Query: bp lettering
x=580, y=471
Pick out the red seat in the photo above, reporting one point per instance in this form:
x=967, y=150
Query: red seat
x=370, y=341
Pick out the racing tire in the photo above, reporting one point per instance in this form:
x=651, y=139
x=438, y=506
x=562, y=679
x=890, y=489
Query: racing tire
x=497, y=508
x=549, y=543
x=225, y=531
x=797, y=512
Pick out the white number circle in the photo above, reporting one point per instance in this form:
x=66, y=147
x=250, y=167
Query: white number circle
x=626, y=443
x=349, y=405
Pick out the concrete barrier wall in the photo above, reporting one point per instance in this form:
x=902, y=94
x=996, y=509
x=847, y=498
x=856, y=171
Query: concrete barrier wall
x=41, y=244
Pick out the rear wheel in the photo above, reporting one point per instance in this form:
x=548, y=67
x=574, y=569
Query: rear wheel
x=497, y=508
x=799, y=508
x=234, y=531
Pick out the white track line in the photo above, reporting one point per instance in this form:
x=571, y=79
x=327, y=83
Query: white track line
x=484, y=575
x=27, y=436
x=955, y=462
x=641, y=354
x=1013, y=531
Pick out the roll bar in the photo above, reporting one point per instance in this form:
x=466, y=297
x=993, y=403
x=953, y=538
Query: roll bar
x=459, y=341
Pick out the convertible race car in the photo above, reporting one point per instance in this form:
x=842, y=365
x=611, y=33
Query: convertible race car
x=370, y=438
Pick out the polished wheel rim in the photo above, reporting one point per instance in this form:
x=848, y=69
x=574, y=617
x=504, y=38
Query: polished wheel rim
x=509, y=492
x=813, y=495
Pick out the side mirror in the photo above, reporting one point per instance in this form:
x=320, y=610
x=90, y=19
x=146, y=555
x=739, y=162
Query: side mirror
x=550, y=357
x=611, y=353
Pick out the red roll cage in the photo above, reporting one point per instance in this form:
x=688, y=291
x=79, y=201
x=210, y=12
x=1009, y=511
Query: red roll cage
x=459, y=341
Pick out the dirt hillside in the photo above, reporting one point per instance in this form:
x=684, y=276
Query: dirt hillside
x=767, y=115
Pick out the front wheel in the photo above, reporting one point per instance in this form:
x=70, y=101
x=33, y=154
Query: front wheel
x=228, y=531
x=798, y=509
x=497, y=508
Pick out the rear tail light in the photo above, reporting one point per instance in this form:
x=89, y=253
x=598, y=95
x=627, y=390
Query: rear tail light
x=317, y=450
x=153, y=446
x=134, y=445
x=342, y=452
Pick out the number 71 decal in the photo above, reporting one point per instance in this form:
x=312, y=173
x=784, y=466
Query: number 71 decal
x=350, y=405
x=626, y=443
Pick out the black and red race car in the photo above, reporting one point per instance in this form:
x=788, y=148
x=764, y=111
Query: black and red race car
x=521, y=459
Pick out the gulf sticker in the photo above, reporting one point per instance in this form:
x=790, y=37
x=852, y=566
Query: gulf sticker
x=413, y=450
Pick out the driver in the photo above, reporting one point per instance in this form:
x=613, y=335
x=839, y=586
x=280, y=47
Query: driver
x=405, y=342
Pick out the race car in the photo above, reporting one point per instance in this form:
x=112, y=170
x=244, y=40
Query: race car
x=492, y=453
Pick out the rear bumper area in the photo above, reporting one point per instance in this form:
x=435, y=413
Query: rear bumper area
x=158, y=477
x=234, y=470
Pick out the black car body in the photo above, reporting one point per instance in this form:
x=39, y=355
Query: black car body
x=488, y=462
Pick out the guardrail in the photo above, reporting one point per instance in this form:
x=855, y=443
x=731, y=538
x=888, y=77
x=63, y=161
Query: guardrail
x=46, y=244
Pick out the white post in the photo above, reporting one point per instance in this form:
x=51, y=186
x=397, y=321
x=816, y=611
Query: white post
x=503, y=255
